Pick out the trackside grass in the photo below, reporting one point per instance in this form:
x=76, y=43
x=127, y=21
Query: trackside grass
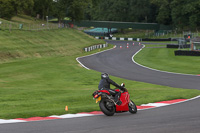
x=30, y=44
x=39, y=76
x=165, y=60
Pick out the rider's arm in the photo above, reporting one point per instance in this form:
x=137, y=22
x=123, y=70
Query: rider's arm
x=115, y=84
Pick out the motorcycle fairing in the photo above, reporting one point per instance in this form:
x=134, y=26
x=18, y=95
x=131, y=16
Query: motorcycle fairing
x=125, y=98
x=104, y=91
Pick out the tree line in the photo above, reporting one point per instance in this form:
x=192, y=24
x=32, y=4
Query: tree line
x=178, y=13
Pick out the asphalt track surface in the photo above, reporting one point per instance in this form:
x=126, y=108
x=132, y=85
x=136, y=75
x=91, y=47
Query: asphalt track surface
x=118, y=62
x=178, y=118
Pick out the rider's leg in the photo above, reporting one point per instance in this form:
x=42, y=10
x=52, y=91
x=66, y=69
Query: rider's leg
x=117, y=98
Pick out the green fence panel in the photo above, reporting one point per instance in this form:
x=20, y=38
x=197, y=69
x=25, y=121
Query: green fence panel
x=20, y=26
x=121, y=25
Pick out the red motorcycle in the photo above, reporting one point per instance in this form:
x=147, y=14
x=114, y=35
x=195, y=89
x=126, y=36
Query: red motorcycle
x=108, y=105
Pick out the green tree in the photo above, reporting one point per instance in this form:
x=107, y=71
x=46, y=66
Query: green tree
x=185, y=13
x=122, y=10
x=6, y=9
x=112, y=10
x=164, y=11
x=60, y=9
x=141, y=10
x=76, y=9
x=43, y=8
x=194, y=18
x=21, y=6
x=104, y=11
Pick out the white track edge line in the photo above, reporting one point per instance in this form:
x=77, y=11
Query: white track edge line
x=82, y=64
x=77, y=59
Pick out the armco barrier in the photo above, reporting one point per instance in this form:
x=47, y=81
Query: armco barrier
x=88, y=49
x=186, y=53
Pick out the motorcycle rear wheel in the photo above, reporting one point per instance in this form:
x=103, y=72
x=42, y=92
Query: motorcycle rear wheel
x=107, y=107
x=132, y=107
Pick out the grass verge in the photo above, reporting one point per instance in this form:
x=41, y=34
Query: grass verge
x=165, y=60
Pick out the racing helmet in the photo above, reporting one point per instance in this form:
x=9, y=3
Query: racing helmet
x=104, y=75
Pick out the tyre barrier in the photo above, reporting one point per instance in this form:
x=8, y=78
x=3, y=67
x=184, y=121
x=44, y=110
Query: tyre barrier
x=148, y=39
x=177, y=46
x=99, y=46
x=186, y=53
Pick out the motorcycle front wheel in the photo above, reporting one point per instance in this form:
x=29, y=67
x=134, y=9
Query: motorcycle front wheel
x=132, y=107
x=107, y=107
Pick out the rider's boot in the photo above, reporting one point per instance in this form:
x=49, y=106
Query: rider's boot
x=117, y=99
x=119, y=102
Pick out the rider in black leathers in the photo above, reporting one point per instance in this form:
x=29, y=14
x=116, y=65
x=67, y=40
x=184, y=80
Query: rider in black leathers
x=104, y=84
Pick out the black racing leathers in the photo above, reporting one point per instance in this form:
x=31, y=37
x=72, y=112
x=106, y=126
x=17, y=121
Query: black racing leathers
x=104, y=84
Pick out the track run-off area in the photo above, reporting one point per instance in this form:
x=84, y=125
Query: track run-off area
x=182, y=118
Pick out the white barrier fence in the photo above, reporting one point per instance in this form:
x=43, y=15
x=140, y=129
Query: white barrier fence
x=99, y=46
x=119, y=38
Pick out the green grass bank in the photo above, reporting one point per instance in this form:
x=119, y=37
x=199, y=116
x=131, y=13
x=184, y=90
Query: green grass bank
x=165, y=60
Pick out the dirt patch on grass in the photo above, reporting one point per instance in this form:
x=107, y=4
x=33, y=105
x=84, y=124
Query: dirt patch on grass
x=37, y=55
x=8, y=55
